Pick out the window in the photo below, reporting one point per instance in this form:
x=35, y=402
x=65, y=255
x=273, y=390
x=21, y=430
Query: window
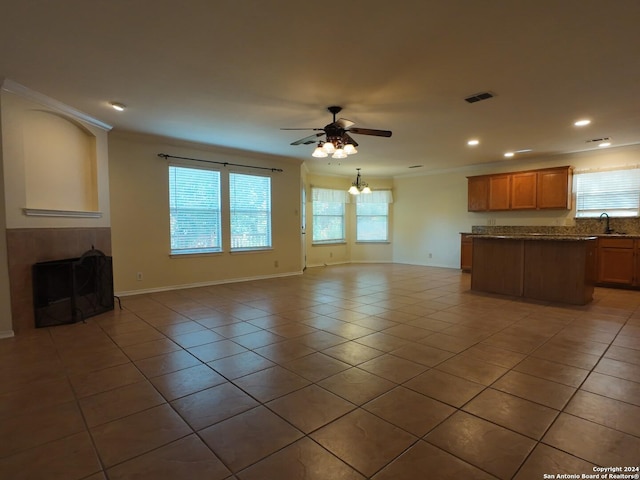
x=250, y=204
x=372, y=216
x=194, y=209
x=616, y=192
x=371, y=222
x=328, y=215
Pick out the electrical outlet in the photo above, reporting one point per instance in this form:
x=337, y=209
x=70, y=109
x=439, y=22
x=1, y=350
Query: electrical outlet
x=275, y=264
x=330, y=254
x=430, y=255
x=139, y=276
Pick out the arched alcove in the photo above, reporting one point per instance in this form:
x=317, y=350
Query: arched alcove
x=60, y=163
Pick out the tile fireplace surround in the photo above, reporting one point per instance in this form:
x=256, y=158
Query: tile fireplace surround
x=26, y=246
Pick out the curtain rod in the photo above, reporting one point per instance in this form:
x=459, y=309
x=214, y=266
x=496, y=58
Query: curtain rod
x=165, y=156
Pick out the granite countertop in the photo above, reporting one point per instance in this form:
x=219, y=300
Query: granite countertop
x=539, y=236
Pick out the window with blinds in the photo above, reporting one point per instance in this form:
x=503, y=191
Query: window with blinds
x=616, y=192
x=250, y=206
x=194, y=209
x=328, y=215
x=372, y=216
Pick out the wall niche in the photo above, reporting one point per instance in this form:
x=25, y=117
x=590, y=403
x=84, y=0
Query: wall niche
x=60, y=162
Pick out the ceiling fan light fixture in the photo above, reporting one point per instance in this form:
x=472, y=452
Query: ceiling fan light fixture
x=339, y=153
x=329, y=147
x=349, y=149
x=319, y=152
x=337, y=136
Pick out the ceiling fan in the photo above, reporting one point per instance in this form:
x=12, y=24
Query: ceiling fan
x=338, y=141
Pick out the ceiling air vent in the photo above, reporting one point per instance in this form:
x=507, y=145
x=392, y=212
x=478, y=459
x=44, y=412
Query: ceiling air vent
x=598, y=140
x=478, y=96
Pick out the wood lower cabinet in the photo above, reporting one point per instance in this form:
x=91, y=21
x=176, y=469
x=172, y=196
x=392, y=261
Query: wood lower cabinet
x=540, y=268
x=618, y=261
x=466, y=252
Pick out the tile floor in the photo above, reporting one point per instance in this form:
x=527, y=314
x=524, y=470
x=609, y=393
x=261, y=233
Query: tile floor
x=347, y=372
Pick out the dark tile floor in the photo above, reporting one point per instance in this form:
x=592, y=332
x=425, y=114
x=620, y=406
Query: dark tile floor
x=347, y=372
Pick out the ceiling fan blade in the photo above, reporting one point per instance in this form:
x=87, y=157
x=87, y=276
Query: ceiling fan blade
x=369, y=131
x=308, y=140
x=302, y=129
x=346, y=138
x=343, y=123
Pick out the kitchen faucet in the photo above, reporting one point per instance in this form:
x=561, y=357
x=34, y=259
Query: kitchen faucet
x=607, y=229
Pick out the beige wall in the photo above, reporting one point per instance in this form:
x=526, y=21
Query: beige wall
x=140, y=218
x=350, y=251
x=431, y=210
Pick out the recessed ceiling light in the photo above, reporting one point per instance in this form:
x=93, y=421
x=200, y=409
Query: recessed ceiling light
x=509, y=154
x=526, y=150
x=604, y=144
x=473, y=142
x=118, y=106
x=582, y=123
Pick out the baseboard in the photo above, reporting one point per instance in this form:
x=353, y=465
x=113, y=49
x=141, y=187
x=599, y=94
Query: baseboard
x=129, y=293
x=6, y=333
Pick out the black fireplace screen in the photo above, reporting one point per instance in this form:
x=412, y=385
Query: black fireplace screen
x=73, y=289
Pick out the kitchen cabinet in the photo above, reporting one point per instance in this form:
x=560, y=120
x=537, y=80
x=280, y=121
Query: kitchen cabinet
x=537, y=267
x=524, y=189
x=554, y=188
x=499, y=192
x=478, y=194
x=466, y=252
x=636, y=263
x=618, y=261
x=527, y=190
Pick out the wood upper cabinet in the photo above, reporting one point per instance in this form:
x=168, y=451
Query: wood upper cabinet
x=524, y=190
x=500, y=192
x=554, y=188
x=529, y=190
x=478, y=194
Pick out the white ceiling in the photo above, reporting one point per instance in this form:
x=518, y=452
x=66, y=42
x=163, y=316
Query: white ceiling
x=232, y=73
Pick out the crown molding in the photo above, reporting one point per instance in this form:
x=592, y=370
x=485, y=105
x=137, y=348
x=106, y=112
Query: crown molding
x=14, y=87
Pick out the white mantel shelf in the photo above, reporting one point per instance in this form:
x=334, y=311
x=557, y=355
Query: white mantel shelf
x=39, y=212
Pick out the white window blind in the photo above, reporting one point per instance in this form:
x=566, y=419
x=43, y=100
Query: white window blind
x=372, y=216
x=194, y=209
x=328, y=215
x=616, y=192
x=372, y=222
x=250, y=205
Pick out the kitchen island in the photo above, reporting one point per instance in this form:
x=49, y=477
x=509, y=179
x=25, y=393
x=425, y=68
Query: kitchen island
x=555, y=268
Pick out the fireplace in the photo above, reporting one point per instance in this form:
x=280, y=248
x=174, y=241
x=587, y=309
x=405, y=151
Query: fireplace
x=73, y=289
